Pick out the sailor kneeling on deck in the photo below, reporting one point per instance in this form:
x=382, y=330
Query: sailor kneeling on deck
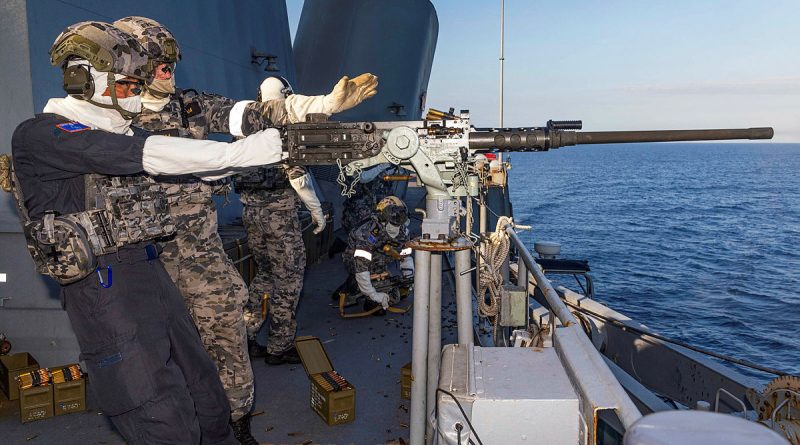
x=371, y=249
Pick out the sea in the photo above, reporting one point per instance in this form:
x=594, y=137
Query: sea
x=698, y=241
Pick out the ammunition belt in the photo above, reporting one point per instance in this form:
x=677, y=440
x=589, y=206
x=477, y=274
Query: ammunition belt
x=331, y=381
x=46, y=376
x=40, y=377
x=66, y=374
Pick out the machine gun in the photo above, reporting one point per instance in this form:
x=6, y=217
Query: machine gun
x=444, y=149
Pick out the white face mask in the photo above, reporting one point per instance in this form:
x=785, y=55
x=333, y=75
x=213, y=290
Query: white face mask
x=96, y=117
x=392, y=230
x=132, y=104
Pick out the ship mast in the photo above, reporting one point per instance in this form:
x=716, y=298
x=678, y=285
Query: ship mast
x=502, y=59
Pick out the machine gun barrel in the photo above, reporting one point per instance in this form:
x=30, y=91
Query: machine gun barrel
x=623, y=137
x=545, y=138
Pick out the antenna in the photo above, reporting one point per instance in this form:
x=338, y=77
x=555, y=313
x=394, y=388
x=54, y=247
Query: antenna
x=502, y=59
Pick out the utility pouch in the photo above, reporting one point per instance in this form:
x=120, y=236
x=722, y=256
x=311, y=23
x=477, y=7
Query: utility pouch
x=60, y=248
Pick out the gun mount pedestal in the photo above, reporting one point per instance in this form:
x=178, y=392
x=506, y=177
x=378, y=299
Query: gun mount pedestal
x=427, y=323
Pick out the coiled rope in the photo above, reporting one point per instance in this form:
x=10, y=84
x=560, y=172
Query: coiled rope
x=490, y=275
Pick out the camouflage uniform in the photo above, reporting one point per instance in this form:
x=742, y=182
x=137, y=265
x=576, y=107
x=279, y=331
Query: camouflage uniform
x=213, y=289
x=372, y=238
x=358, y=208
x=276, y=240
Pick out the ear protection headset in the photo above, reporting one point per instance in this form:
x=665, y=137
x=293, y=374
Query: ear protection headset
x=78, y=82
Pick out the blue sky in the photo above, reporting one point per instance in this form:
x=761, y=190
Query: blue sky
x=621, y=65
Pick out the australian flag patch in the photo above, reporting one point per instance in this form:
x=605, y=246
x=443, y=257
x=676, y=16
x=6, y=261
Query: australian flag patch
x=72, y=127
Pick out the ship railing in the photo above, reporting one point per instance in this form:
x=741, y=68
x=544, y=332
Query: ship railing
x=598, y=389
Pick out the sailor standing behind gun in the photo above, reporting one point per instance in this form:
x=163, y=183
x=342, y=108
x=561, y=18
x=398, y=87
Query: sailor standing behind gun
x=270, y=197
x=195, y=259
x=212, y=288
x=372, y=247
x=91, y=217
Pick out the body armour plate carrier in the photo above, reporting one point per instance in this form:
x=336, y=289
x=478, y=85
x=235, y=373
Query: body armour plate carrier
x=121, y=210
x=262, y=178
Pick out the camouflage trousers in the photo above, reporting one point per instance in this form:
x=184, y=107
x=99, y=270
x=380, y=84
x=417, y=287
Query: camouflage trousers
x=276, y=241
x=215, y=295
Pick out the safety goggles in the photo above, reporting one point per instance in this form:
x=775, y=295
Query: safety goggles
x=167, y=68
x=135, y=85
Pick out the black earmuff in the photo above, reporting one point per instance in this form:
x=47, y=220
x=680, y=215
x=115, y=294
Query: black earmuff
x=78, y=82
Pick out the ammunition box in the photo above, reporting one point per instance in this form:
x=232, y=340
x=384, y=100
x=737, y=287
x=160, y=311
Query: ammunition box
x=335, y=407
x=69, y=397
x=11, y=366
x=405, y=381
x=36, y=403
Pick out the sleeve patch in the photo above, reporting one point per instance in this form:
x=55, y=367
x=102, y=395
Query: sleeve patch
x=72, y=127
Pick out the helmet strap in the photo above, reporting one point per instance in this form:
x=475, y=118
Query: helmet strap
x=112, y=91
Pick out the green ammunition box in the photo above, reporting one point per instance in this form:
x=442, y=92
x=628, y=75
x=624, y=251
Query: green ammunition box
x=335, y=407
x=36, y=403
x=69, y=397
x=405, y=381
x=11, y=366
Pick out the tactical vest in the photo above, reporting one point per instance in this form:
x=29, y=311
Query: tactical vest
x=183, y=116
x=262, y=178
x=121, y=210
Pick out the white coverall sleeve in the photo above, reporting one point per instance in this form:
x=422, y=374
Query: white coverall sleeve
x=366, y=287
x=236, y=118
x=346, y=94
x=304, y=187
x=298, y=106
x=164, y=155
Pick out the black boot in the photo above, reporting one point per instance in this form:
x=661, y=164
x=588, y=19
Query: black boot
x=289, y=356
x=255, y=349
x=241, y=430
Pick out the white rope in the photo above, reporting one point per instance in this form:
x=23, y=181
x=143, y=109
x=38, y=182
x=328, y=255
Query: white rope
x=490, y=275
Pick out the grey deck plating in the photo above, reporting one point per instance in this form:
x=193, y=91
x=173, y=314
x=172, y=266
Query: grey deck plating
x=368, y=351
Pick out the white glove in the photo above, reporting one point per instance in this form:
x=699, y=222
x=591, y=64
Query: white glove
x=407, y=267
x=304, y=187
x=366, y=287
x=345, y=95
x=165, y=155
x=381, y=298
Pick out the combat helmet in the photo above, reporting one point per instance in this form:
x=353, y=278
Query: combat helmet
x=163, y=49
x=392, y=210
x=154, y=36
x=107, y=49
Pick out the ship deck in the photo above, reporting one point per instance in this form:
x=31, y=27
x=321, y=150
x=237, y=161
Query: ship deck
x=368, y=351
